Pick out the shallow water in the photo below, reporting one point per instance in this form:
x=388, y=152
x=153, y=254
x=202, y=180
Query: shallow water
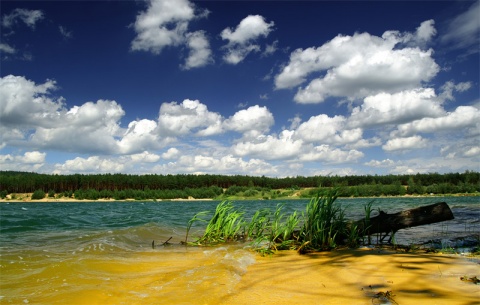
x=101, y=252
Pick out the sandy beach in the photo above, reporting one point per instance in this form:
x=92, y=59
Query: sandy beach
x=356, y=277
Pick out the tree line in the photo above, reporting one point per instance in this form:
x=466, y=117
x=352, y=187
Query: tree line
x=155, y=186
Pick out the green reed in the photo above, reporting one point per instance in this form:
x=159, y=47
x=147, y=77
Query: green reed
x=324, y=222
x=322, y=226
x=225, y=225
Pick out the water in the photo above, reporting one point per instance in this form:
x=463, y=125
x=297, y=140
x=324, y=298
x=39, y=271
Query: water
x=101, y=252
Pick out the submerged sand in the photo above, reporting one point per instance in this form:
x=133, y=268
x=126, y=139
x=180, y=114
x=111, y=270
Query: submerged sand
x=357, y=277
x=232, y=275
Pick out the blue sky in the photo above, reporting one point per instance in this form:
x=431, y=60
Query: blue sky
x=274, y=88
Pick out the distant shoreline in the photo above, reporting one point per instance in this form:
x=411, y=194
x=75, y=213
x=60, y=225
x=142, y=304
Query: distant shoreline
x=26, y=197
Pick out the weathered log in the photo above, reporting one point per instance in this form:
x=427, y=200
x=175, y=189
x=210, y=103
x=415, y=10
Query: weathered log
x=391, y=223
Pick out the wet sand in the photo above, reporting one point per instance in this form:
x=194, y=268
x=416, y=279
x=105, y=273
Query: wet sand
x=355, y=277
x=232, y=275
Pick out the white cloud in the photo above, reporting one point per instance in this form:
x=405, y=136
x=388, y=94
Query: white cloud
x=29, y=161
x=200, y=54
x=29, y=17
x=414, y=142
x=472, y=152
x=358, y=66
x=463, y=117
x=464, y=30
x=241, y=41
x=29, y=157
x=270, y=147
x=228, y=164
x=64, y=32
x=93, y=164
x=329, y=130
x=6, y=48
x=425, y=32
x=400, y=107
x=270, y=48
x=165, y=23
x=91, y=127
x=145, y=157
x=171, y=153
x=331, y=155
x=48, y=124
x=434, y=165
x=364, y=143
x=189, y=116
x=235, y=55
x=449, y=87
x=140, y=135
x=382, y=163
x=24, y=103
x=252, y=121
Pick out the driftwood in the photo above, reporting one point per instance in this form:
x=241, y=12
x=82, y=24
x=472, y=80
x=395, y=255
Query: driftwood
x=391, y=223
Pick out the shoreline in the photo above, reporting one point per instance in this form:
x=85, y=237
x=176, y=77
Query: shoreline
x=26, y=197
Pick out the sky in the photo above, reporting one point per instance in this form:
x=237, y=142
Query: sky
x=273, y=88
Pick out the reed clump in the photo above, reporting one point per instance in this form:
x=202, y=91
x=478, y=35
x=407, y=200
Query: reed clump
x=322, y=226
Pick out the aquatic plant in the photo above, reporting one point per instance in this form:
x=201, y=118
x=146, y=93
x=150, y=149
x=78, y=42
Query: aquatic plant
x=225, y=225
x=322, y=226
x=324, y=223
x=368, y=212
x=195, y=218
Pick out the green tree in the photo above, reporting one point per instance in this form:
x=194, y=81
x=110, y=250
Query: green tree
x=38, y=194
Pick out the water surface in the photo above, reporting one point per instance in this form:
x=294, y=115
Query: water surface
x=101, y=252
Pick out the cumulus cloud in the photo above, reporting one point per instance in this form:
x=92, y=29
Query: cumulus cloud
x=228, y=164
x=6, y=48
x=31, y=160
x=464, y=30
x=270, y=48
x=93, y=164
x=29, y=17
x=425, y=32
x=449, y=87
x=396, y=108
x=200, y=53
x=408, y=143
x=171, y=153
x=382, y=163
x=165, y=23
x=241, y=40
x=463, y=117
x=28, y=157
x=252, y=121
x=329, y=154
x=270, y=147
x=24, y=103
x=91, y=127
x=29, y=107
x=140, y=135
x=145, y=157
x=329, y=130
x=358, y=66
x=472, y=151
x=189, y=116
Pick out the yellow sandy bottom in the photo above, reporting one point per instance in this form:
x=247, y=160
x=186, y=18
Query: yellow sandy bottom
x=355, y=277
x=229, y=275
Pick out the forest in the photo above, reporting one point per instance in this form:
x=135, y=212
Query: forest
x=155, y=186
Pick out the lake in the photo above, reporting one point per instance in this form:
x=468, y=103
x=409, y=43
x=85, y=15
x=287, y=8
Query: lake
x=101, y=252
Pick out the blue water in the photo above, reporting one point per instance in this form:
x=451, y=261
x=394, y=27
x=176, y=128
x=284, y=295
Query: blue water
x=133, y=225
x=101, y=252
